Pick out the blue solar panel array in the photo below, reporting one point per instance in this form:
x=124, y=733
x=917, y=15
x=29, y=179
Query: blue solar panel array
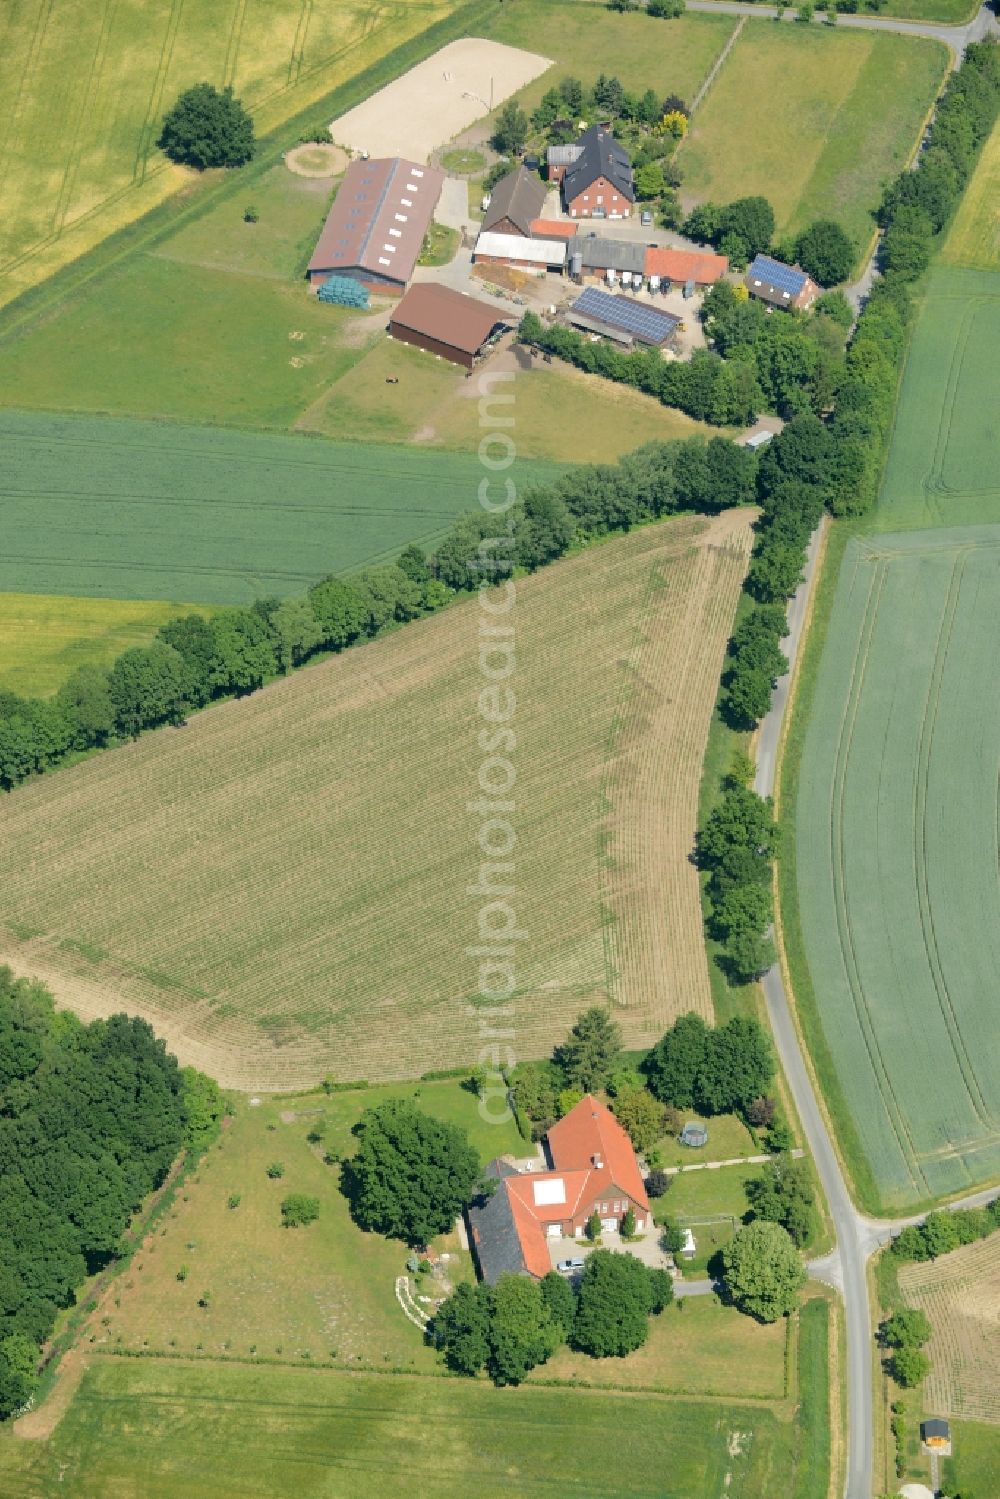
x=631, y=317
x=781, y=277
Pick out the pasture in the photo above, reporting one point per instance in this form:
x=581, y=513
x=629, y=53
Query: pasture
x=83, y=92
x=960, y=1292
x=144, y=510
x=585, y=40
x=163, y=1430
x=974, y=237
x=45, y=638
x=844, y=112
x=896, y=855
x=308, y=908
x=559, y=412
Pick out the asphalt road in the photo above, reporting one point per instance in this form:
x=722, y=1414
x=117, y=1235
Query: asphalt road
x=956, y=37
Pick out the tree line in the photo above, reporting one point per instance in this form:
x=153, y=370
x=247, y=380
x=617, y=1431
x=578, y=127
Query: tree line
x=91, y=1119
x=194, y=660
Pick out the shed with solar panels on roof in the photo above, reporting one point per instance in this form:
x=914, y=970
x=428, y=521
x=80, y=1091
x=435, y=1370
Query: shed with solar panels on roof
x=623, y=319
x=781, y=285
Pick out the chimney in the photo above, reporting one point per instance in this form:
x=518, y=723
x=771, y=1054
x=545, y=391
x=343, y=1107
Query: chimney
x=598, y=1161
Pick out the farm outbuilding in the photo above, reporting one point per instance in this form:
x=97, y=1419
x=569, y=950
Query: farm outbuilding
x=514, y=202
x=375, y=230
x=446, y=322
x=526, y=254
x=622, y=318
x=936, y=1435
x=682, y=266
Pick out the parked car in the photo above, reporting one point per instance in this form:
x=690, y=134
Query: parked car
x=568, y=1266
x=646, y=217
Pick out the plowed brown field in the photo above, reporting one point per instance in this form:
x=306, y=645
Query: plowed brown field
x=283, y=886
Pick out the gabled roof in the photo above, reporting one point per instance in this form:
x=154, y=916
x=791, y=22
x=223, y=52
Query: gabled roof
x=495, y=1235
x=775, y=273
x=379, y=217
x=564, y=156
x=519, y=197
x=685, y=265
x=588, y=1133
x=631, y=318
x=600, y=156
x=450, y=316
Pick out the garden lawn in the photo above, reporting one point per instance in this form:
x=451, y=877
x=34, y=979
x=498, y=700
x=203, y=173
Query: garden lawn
x=84, y=87
x=142, y=510
x=975, y=1466
x=728, y=1138
x=558, y=413
x=712, y=1204
x=671, y=57
x=696, y=1347
x=46, y=638
x=843, y=112
x=196, y=1431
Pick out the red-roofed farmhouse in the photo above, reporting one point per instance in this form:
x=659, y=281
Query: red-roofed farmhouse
x=594, y=1170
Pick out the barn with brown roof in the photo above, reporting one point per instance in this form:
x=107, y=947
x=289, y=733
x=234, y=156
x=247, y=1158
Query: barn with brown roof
x=446, y=322
x=514, y=202
x=594, y=1170
x=375, y=230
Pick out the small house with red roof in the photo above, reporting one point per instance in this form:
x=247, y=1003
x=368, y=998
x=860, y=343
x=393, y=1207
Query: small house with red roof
x=593, y=1169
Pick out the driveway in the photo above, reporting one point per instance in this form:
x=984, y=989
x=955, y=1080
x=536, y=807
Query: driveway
x=646, y=1249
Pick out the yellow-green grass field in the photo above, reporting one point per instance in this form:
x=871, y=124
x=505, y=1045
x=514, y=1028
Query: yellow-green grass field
x=974, y=237
x=284, y=885
x=45, y=638
x=325, y=1292
x=84, y=87
x=585, y=40
x=558, y=413
x=145, y=510
x=160, y=1430
x=815, y=119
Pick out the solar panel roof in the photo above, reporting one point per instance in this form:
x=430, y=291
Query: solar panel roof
x=781, y=277
x=645, y=323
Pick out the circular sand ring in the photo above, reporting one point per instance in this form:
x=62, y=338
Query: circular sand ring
x=316, y=160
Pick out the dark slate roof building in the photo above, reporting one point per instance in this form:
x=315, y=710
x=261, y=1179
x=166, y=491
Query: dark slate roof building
x=622, y=318
x=514, y=202
x=601, y=254
x=600, y=158
x=493, y=1235
x=781, y=285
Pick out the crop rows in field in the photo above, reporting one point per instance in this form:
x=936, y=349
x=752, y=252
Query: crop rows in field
x=83, y=92
x=141, y=510
x=944, y=463
x=284, y=884
x=961, y=1295
x=897, y=855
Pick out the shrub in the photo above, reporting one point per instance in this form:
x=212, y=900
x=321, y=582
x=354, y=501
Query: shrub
x=298, y=1209
x=276, y=1170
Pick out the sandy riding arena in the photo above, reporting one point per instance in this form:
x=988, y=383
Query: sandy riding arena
x=316, y=160
x=435, y=100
